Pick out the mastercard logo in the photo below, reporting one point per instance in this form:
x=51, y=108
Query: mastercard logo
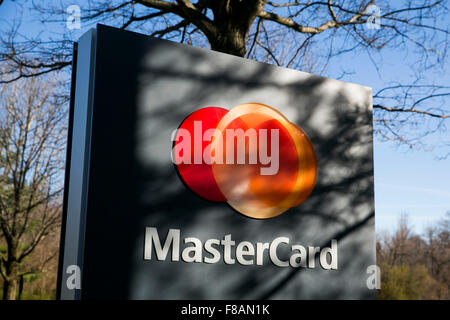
x=251, y=157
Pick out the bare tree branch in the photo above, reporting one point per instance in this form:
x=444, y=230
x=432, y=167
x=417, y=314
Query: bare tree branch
x=290, y=23
x=226, y=25
x=442, y=116
x=32, y=143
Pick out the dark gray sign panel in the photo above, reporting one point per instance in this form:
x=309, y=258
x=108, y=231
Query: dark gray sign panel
x=130, y=217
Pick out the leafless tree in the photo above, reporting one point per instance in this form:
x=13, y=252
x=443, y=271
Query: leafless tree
x=404, y=248
x=32, y=142
x=438, y=253
x=306, y=35
x=393, y=248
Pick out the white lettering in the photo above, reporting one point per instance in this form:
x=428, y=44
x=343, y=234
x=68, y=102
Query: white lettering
x=172, y=239
x=245, y=252
x=245, y=248
x=333, y=255
x=273, y=252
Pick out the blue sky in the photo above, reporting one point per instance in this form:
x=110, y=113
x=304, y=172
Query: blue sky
x=407, y=181
x=412, y=182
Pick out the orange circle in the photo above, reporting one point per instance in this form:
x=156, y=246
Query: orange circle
x=244, y=185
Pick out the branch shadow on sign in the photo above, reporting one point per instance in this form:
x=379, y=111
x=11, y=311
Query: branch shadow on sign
x=175, y=83
x=171, y=82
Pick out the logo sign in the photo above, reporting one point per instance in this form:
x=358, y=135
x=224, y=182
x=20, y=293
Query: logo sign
x=194, y=174
x=251, y=157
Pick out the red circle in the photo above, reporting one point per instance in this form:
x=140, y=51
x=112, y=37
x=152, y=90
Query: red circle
x=198, y=176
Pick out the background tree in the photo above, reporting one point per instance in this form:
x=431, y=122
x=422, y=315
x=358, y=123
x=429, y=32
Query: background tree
x=413, y=266
x=438, y=254
x=32, y=143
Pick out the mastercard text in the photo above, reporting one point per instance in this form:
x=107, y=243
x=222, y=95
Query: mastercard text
x=230, y=252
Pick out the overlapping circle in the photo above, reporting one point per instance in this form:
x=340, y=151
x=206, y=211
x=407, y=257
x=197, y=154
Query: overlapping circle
x=279, y=170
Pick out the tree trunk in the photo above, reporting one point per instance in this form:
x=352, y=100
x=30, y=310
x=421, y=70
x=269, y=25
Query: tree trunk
x=10, y=289
x=20, y=287
x=229, y=41
x=233, y=19
x=10, y=282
